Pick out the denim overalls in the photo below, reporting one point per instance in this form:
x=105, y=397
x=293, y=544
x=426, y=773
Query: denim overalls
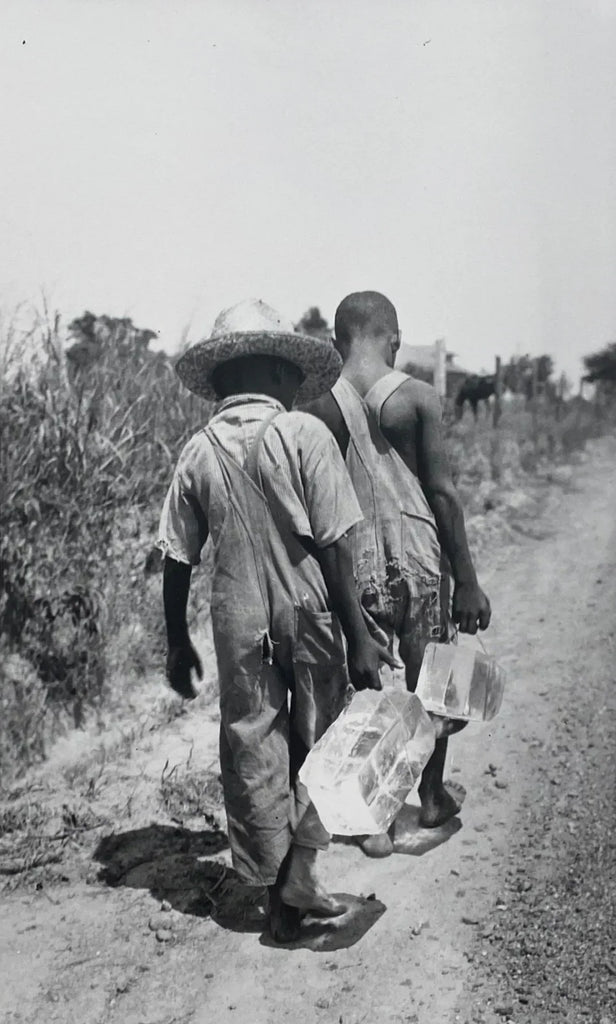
x=281, y=665
x=397, y=555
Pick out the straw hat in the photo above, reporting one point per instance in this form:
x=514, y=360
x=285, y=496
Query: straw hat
x=253, y=328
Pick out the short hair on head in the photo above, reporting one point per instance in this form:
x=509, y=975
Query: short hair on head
x=364, y=313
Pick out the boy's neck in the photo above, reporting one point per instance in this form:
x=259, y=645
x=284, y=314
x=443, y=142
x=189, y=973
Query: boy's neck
x=363, y=367
x=246, y=397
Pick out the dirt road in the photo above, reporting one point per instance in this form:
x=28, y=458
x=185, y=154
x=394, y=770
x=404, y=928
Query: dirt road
x=507, y=914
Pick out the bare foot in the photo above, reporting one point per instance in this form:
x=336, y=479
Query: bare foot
x=376, y=846
x=316, y=901
x=302, y=889
x=445, y=726
x=283, y=921
x=439, y=807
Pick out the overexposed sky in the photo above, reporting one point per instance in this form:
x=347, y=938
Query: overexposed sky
x=163, y=159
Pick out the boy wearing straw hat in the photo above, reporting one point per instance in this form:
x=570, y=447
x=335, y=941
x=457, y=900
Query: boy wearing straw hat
x=270, y=487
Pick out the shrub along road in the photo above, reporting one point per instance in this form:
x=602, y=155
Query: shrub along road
x=507, y=915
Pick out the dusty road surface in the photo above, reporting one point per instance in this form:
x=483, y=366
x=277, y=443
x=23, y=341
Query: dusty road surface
x=507, y=914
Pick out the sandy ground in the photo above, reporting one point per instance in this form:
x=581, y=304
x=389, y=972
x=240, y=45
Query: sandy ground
x=505, y=914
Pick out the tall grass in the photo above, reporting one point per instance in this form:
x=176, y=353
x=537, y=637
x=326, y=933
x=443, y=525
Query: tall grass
x=485, y=459
x=86, y=457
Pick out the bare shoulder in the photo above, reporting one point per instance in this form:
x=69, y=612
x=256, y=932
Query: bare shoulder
x=325, y=408
x=412, y=401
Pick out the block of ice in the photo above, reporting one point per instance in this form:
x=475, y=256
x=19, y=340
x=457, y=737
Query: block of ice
x=459, y=681
x=362, y=769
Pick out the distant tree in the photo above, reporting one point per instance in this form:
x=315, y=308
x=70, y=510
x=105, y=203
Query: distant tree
x=424, y=373
x=314, y=324
x=601, y=365
x=100, y=336
x=518, y=374
x=545, y=368
x=515, y=372
x=564, y=386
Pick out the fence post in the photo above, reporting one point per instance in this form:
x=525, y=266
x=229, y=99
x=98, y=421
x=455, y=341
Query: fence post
x=440, y=368
x=560, y=397
x=535, y=403
x=498, y=390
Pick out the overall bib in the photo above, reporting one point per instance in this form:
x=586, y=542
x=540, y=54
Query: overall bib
x=281, y=665
x=396, y=551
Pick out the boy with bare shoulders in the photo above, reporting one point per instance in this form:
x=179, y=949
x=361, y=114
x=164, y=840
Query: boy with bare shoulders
x=388, y=427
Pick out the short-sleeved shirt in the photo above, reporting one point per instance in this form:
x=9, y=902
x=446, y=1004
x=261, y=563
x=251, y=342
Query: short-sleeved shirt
x=301, y=473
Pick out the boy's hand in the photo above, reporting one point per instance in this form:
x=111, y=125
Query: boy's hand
x=471, y=608
x=180, y=661
x=364, y=661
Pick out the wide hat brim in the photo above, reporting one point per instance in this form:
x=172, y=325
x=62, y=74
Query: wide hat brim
x=318, y=360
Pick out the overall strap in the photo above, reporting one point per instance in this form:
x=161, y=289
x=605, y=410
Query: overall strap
x=252, y=459
x=229, y=465
x=243, y=493
x=351, y=405
x=244, y=503
x=356, y=416
x=248, y=507
x=384, y=388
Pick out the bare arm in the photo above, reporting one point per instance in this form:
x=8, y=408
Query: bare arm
x=326, y=409
x=364, y=653
x=181, y=657
x=176, y=587
x=471, y=607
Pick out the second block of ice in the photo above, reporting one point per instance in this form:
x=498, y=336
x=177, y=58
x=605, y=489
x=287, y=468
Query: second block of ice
x=458, y=681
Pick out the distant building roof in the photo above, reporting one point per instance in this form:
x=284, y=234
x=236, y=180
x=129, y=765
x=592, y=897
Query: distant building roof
x=424, y=356
x=421, y=355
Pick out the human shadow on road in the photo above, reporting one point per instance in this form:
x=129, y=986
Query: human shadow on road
x=172, y=862
x=175, y=864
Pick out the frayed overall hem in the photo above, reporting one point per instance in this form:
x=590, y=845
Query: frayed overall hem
x=255, y=870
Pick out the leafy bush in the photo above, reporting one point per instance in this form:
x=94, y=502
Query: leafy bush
x=23, y=710
x=87, y=453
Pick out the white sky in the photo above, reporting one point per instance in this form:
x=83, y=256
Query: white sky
x=165, y=159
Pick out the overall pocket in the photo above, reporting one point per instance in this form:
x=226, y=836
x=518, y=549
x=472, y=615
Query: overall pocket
x=318, y=638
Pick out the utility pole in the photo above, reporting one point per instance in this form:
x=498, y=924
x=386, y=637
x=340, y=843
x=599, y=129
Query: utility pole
x=535, y=403
x=440, y=368
x=498, y=390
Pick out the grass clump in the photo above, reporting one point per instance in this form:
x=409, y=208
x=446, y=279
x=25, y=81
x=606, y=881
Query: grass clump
x=187, y=792
x=90, y=436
